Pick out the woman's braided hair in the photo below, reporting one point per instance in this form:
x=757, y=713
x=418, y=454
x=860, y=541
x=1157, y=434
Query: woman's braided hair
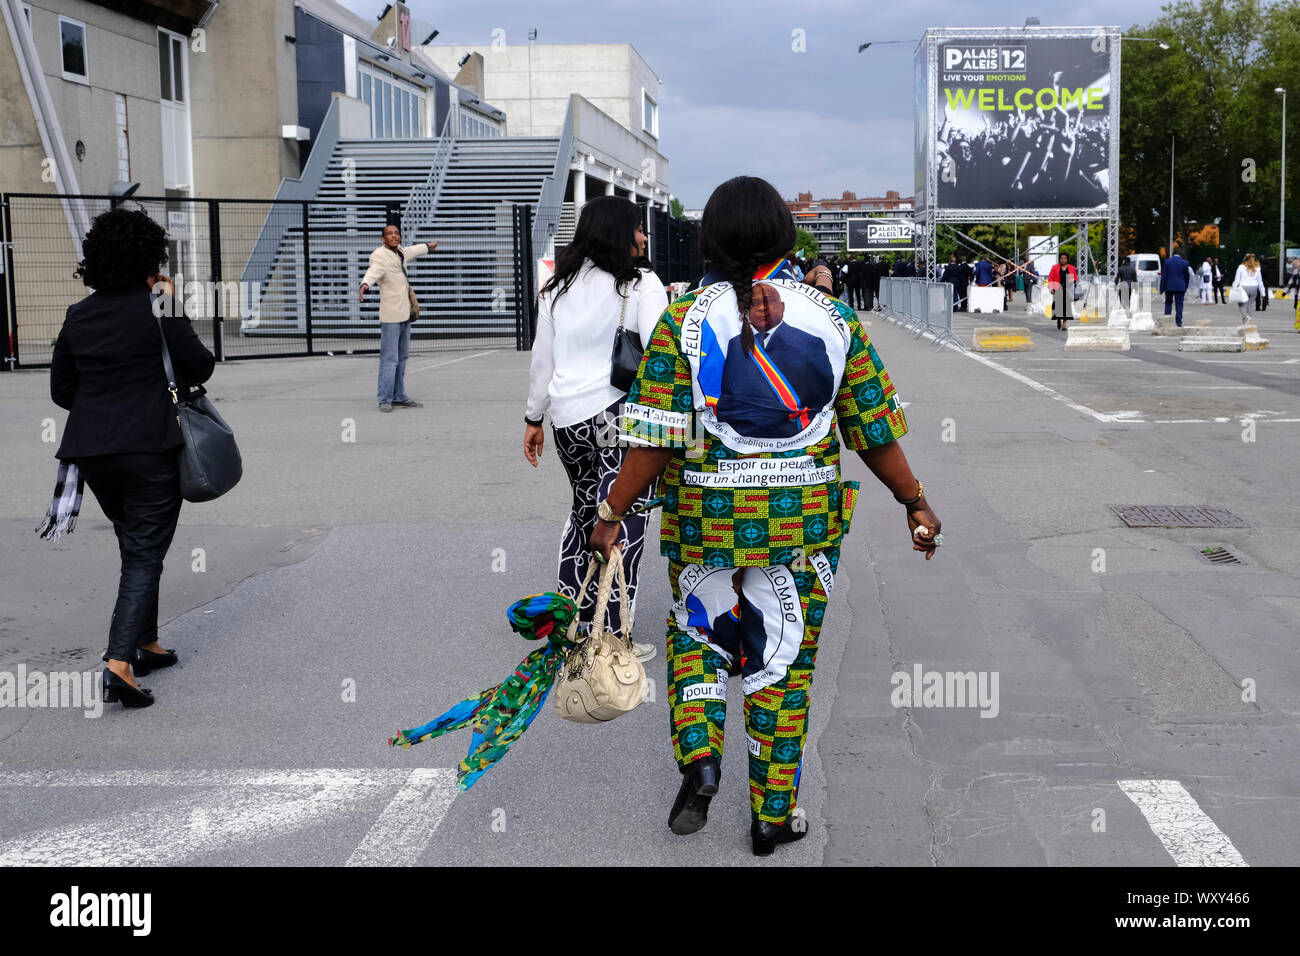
x=746, y=224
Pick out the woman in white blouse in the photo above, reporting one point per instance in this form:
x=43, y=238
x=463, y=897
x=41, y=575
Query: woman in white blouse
x=1250, y=279
x=601, y=278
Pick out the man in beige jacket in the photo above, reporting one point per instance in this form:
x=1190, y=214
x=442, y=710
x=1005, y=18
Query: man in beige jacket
x=388, y=271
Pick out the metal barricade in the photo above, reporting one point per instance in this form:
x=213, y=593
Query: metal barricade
x=921, y=306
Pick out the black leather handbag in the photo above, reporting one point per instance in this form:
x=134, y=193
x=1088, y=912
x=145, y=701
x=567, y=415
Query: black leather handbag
x=210, y=463
x=625, y=359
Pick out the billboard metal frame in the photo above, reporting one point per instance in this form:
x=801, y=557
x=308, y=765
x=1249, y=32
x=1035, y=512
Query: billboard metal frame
x=930, y=216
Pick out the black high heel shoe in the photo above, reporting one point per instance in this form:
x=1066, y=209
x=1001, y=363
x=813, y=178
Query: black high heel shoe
x=146, y=661
x=699, y=785
x=765, y=836
x=116, y=689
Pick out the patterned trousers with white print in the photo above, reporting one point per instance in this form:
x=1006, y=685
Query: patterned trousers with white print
x=762, y=624
x=592, y=454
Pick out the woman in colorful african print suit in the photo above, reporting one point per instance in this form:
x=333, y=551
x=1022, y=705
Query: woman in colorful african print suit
x=754, y=509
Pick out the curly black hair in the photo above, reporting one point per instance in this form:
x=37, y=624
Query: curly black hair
x=123, y=248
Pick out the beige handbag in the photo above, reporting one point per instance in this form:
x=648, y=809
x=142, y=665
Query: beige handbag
x=599, y=678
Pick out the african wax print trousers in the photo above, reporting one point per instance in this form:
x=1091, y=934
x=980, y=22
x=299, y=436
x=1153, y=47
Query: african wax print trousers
x=592, y=453
x=761, y=623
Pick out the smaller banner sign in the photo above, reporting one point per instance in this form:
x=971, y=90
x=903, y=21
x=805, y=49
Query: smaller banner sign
x=881, y=235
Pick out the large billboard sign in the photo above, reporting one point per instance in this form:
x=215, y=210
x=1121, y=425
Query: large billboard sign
x=1020, y=120
x=881, y=235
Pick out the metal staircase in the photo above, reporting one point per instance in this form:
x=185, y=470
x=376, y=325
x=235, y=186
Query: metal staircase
x=457, y=191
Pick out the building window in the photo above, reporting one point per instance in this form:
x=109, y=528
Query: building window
x=649, y=115
x=123, y=140
x=397, y=108
x=72, y=35
x=171, y=67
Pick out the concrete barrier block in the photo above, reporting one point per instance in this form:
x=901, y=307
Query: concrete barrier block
x=1204, y=323
x=1141, y=322
x=1166, y=325
x=1001, y=338
x=1118, y=319
x=1251, y=338
x=1212, y=343
x=1102, y=339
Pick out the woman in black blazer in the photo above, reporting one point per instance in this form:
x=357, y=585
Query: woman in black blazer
x=122, y=430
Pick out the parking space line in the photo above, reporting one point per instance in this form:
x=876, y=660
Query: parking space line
x=463, y=358
x=1182, y=827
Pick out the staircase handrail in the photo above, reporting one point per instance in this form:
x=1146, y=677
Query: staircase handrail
x=550, y=203
x=417, y=215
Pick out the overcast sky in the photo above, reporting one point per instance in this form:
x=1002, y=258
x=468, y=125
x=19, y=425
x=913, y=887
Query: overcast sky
x=737, y=98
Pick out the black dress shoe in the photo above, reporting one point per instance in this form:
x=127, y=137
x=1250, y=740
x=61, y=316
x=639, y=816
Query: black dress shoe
x=146, y=661
x=699, y=785
x=765, y=836
x=116, y=689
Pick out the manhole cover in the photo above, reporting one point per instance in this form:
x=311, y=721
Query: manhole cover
x=1219, y=556
x=1177, y=516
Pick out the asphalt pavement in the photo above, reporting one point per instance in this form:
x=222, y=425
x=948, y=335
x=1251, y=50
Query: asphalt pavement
x=1139, y=702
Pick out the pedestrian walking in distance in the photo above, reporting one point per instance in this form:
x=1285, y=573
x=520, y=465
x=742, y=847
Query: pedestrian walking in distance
x=1220, y=296
x=387, y=270
x=1125, y=277
x=1060, y=281
x=766, y=367
x=1246, y=285
x=1207, y=282
x=122, y=433
x=1174, y=277
x=602, y=280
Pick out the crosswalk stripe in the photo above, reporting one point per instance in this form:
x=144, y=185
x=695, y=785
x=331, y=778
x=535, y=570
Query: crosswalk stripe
x=1191, y=837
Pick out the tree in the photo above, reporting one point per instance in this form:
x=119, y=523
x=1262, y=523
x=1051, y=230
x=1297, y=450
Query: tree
x=806, y=245
x=675, y=208
x=1211, y=93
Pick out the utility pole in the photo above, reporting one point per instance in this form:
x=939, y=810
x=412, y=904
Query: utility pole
x=1281, y=219
x=1170, y=250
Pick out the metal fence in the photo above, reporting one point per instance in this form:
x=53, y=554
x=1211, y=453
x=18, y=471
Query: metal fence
x=271, y=279
x=921, y=305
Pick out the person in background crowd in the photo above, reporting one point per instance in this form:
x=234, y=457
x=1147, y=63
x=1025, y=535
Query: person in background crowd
x=856, y=283
x=1207, y=281
x=984, y=272
x=1250, y=280
x=955, y=276
x=602, y=276
x=776, y=376
x=1293, y=279
x=1220, y=296
x=1174, y=276
x=388, y=271
x=122, y=433
x=1261, y=295
x=871, y=273
x=965, y=272
x=1060, y=281
x=1030, y=273
x=1125, y=277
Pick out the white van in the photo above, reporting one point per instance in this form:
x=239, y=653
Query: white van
x=1147, y=265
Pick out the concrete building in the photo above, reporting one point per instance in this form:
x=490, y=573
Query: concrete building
x=827, y=219
x=274, y=67
x=614, y=96
x=96, y=92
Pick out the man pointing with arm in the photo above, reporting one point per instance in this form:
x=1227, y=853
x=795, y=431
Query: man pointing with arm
x=397, y=308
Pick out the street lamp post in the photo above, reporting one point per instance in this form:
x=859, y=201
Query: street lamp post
x=1281, y=225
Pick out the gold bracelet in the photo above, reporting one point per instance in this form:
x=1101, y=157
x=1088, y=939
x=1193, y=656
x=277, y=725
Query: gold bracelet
x=605, y=513
x=920, y=492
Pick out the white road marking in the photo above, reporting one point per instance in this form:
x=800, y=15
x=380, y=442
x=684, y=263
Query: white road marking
x=463, y=358
x=238, y=807
x=1190, y=836
x=402, y=832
